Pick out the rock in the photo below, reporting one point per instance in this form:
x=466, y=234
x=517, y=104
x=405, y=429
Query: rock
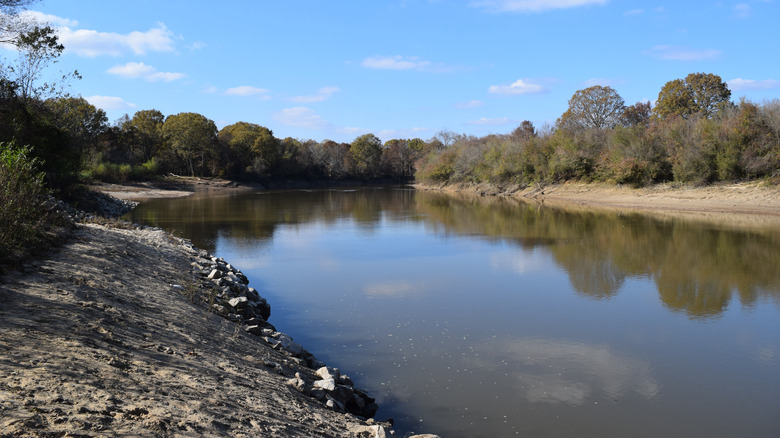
x=333, y=403
x=342, y=394
x=289, y=345
x=326, y=384
x=297, y=382
x=328, y=373
x=345, y=380
x=214, y=274
x=374, y=431
x=238, y=302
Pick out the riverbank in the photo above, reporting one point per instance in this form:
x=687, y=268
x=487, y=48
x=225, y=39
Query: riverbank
x=117, y=332
x=749, y=203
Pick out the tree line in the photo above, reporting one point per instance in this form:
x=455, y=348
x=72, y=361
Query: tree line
x=694, y=134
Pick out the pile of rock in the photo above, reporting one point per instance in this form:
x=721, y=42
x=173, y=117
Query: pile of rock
x=337, y=391
x=241, y=304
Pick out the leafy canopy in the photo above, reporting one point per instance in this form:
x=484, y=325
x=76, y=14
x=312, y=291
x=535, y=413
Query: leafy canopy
x=699, y=93
x=593, y=107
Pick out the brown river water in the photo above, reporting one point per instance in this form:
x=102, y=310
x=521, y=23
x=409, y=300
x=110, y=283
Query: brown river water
x=488, y=317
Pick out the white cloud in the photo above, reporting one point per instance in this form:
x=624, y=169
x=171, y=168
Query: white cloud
x=469, y=104
x=322, y=94
x=742, y=10
x=395, y=63
x=674, y=53
x=301, y=117
x=520, y=86
x=532, y=5
x=491, y=122
x=48, y=18
x=634, y=12
x=132, y=70
x=147, y=72
x=91, y=43
x=247, y=90
x=739, y=84
x=110, y=102
x=556, y=371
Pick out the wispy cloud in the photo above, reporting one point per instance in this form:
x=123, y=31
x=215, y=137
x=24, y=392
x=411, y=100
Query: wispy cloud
x=739, y=84
x=91, y=43
x=490, y=122
x=528, y=6
x=110, y=102
x=395, y=63
x=301, y=117
x=520, y=86
x=406, y=63
x=742, y=10
x=48, y=18
x=248, y=90
x=147, y=72
x=322, y=94
x=469, y=104
x=634, y=12
x=675, y=53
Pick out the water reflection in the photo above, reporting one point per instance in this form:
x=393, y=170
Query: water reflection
x=697, y=268
x=562, y=371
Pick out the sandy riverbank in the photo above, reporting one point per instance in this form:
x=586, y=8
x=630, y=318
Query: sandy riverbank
x=741, y=204
x=100, y=338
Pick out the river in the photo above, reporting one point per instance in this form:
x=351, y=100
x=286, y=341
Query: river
x=486, y=317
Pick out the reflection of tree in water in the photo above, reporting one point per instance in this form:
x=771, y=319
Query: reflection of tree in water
x=251, y=219
x=697, y=267
x=590, y=274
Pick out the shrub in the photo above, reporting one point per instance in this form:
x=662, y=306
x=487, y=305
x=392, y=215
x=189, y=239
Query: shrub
x=25, y=217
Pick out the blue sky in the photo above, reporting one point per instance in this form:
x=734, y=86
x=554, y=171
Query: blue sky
x=320, y=70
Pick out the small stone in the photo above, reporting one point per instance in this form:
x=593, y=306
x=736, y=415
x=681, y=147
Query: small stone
x=214, y=274
x=326, y=384
x=328, y=373
x=238, y=302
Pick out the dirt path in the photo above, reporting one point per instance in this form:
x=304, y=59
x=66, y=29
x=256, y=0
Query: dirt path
x=100, y=339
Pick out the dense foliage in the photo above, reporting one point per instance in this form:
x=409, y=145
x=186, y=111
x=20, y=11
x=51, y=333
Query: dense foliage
x=737, y=142
x=26, y=216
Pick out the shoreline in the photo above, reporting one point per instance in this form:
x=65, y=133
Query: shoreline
x=130, y=330
x=750, y=199
x=740, y=204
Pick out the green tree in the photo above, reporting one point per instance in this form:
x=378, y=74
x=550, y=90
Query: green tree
x=191, y=137
x=637, y=114
x=699, y=93
x=593, y=107
x=253, y=148
x=80, y=120
x=144, y=133
x=366, y=150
